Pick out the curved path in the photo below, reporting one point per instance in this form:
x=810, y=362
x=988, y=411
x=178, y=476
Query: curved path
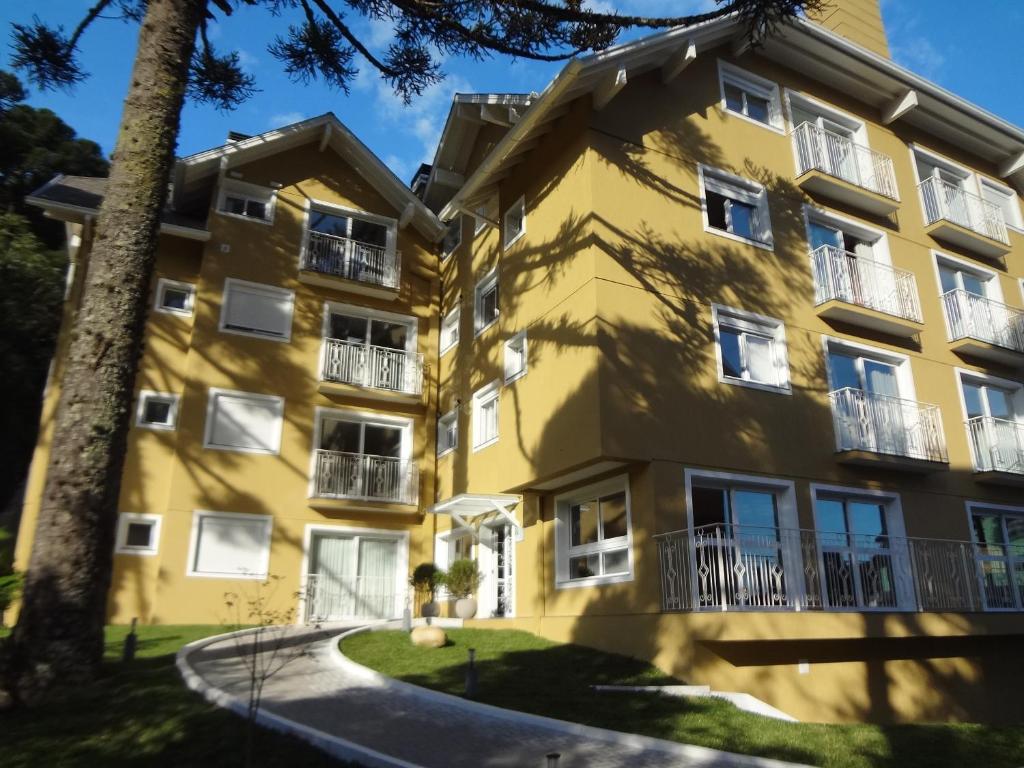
x=357, y=714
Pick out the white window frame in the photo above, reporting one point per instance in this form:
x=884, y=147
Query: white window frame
x=193, y=546
x=321, y=413
x=172, y=399
x=233, y=283
x=1004, y=510
x=333, y=209
x=453, y=320
x=756, y=195
x=784, y=490
x=480, y=224
x=904, y=372
x=486, y=394
x=993, y=289
x=826, y=111
x=760, y=325
x=519, y=338
x=879, y=239
x=443, y=422
x=987, y=379
x=895, y=529
x=1018, y=222
x=520, y=206
x=368, y=313
x=124, y=519
x=162, y=285
x=214, y=393
x=456, y=225
x=488, y=281
x=247, y=191
x=564, y=551
x=759, y=86
x=970, y=177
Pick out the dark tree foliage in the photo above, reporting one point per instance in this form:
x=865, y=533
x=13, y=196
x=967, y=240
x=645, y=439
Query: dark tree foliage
x=324, y=44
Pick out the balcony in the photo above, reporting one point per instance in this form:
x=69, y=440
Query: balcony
x=957, y=216
x=997, y=446
x=362, y=477
x=383, y=371
x=889, y=432
x=730, y=568
x=339, y=262
x=984, y=328
x=833, y=165
x=859, y=291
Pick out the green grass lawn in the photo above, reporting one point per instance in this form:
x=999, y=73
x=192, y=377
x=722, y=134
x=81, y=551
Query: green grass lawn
x=520, y=671
x=141, y=714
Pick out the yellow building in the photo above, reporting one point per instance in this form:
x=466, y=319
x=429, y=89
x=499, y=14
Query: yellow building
x=723, y=347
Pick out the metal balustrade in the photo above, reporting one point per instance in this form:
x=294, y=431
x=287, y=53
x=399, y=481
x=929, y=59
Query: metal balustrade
x=350, y=259
x=338, y=475
x=841, y=157
x=843, y=276
x=331, y=598
x=365, y=365
x=867, y=421
x=996, y=444
x=970, y=316
x=949, y=202
x=734, y=567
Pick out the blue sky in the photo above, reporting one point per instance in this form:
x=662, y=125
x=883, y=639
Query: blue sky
x=972, y=53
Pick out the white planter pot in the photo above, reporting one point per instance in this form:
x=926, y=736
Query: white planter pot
x=465, y=607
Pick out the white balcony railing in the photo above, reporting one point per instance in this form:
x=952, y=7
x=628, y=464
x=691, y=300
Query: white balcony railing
x=729, y=567
x=843, y=276
x=338, y=475
x=352, y=362
x=839, y=156
x=996, y=444
x=866, y=421
x=351, y=259
x=329, y=597
x=970, y=316
x=943, y=200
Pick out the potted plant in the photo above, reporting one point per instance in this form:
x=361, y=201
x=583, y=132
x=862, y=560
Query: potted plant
x=463, y=580
x=426, y=578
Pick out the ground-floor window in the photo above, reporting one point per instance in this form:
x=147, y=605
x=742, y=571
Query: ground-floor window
x=230, y=545
x=999, y=550
x=594, y=534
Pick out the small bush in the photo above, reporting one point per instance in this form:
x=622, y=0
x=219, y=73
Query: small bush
x=463, y=578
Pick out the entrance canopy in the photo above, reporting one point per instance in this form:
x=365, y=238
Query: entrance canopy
x=467, y=508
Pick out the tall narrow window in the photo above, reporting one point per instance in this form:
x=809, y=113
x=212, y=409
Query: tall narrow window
x=452, y=237
x=485, y=416
x=486, y=302
x=450, y=330
x=515, y=357
x=515, y=222
x=448, y=432
x=736, y=207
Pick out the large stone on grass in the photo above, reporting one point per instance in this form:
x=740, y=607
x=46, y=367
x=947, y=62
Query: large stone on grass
x=429, y=637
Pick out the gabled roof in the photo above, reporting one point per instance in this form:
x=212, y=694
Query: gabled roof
x=73, y=198
x=468, y=114
x=801, y=45
x=194, y=174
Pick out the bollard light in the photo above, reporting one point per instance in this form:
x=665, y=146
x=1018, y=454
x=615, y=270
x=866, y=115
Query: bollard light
x=471, y=675
x=553, y=759
x=131, y=642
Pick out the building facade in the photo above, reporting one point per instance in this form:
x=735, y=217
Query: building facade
x=723, y=347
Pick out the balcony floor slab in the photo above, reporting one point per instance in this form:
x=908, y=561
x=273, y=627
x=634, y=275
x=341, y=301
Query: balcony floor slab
x=883, y=322
x=351, y=286
x=328, y=505
x=968, y=239
x=986, y=350
x=338, y=389
x=820, y=183
x=1011, y=479
x=862, y=458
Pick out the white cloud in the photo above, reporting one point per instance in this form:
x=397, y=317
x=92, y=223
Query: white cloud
x=399, y=167
x=920, y=55
x=423, y=118
x=247, y=60
x=282, y=119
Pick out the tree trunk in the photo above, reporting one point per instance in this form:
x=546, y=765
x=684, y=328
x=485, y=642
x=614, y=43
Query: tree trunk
x=59, y=634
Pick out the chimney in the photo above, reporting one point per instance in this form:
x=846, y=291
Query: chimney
x=856, y=20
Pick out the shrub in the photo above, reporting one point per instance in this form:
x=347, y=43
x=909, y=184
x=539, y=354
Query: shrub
x=426, y=578
x=463, y=578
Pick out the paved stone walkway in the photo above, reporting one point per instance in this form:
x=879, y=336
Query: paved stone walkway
x=318, y=692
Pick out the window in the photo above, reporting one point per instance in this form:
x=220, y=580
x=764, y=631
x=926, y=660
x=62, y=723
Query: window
x=514, y=222
x=452, y=237
x=448, y=432
x=137, y=534
x=750, y=96
x=515, y=357
x=485, y=214
x=174, y=298
x=751, y=349
x=370, y=348
x=735, y=207
x=156, y=410
x=247, y=201
x=593, y=534
x=253, y=309
x=229, y=545
x=956, y=275
x=1005, y=199
x=861, y=563
x=994, y=413
x=485, y=301
x=450, y=330
x=240, y=421
x=485, y=416
x=364, y=455
x=842, y=236
x=998, y=534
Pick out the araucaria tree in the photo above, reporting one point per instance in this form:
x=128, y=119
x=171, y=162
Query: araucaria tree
x=59, y=634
